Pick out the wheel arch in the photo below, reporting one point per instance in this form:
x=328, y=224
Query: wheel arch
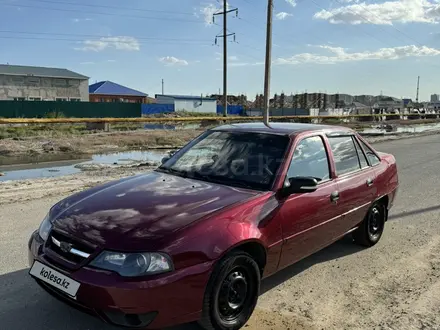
x=255, y=248
x=385, y=200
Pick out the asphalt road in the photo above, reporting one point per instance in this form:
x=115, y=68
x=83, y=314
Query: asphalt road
x=395, y=285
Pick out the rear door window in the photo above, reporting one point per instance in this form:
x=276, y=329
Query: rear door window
x=344, y=154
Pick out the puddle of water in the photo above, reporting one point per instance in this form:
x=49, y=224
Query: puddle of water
x=402, y=129
x=39, y=158
x=171, y=127
x=61, y=168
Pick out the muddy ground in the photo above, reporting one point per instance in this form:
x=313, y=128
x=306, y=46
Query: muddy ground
x=68, y=145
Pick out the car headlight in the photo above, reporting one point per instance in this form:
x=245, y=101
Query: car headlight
x=133, y=264
x=45, y=228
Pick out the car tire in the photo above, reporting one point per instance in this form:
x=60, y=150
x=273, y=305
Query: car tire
x=371, y=229
x=232, y=293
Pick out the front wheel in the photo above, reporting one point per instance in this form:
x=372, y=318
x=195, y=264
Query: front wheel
x=371, y=229
x=232, y=293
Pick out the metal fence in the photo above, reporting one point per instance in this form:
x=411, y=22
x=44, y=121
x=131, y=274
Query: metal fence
x=52, y=109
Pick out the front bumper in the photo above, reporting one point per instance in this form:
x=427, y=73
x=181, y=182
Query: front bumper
x=153, y=303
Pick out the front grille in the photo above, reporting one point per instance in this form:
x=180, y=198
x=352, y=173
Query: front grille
x=57, y=237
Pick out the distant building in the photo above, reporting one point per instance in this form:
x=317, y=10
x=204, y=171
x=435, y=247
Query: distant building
x=107, y=91
x=189, y=103
x=434, y=98
x=31, y=83
x=389, y=104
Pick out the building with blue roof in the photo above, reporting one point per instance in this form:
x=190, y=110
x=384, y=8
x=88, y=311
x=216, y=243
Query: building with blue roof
x=189, y=103
x=107, y=91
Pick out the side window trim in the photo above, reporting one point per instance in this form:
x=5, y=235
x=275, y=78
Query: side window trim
x=363, y=146
x=327, y=152
x=358, y=147
x=359, y=161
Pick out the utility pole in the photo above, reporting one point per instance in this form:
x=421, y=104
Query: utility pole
x=418, y=85
x=268, y=63
x=225, y=36
x=162, y=87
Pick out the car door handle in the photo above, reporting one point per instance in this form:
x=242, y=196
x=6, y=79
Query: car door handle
x=334, y=197
x=370, y=182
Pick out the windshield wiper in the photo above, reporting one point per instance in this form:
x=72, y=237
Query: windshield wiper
x=169, y=170
x=221, y=179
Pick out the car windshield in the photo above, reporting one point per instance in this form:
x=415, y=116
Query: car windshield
x=249, y=160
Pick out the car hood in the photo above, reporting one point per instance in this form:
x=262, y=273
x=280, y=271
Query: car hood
x=126, y=214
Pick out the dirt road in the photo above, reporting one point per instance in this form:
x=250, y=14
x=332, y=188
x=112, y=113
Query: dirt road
x=393, y=286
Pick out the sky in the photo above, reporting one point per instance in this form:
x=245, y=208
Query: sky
x=346, y=46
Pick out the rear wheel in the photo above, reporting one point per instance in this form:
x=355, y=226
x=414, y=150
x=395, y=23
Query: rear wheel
x=232, y=293
x=371, y=229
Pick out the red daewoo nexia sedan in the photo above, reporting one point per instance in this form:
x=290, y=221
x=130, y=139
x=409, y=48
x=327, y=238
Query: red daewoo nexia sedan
x=192, y=240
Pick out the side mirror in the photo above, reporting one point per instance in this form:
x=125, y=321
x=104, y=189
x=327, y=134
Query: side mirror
x=300, y=185
x=165, y=159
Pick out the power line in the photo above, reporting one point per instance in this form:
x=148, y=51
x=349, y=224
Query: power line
x=101, y=13
x=101, y=36
x=82, y=41
x=113, y=7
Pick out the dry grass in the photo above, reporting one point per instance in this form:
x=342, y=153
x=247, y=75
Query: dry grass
x=96, y=142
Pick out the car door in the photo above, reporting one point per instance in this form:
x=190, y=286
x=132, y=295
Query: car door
x=355, y=178
x=309, y=221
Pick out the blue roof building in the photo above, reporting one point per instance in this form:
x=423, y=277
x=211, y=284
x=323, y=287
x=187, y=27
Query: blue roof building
x=107, y=91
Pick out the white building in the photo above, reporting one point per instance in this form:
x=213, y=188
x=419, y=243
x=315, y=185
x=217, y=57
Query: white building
x=189, y=103
x=30, y=83
x=435, y=98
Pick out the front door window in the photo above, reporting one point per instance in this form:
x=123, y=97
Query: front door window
x=310, y=160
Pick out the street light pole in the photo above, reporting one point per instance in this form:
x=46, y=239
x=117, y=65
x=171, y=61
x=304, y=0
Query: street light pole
x=268, y=63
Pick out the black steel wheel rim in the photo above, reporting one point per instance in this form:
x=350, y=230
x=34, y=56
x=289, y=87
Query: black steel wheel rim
x=375, y=223
x=234, y=294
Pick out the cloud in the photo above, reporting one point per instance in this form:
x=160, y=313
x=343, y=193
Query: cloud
x=339, y=54
x=77, y=20
x=171, y=60
x=119, y=43
x=282, y=16
x=208, y=11
x=291, y=2
x=385, y=13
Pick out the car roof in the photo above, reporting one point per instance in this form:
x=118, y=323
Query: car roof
x=281, y=128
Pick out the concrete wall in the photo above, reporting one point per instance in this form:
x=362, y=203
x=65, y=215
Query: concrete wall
x=205, y=106
x=190, y=105
x=47, y=88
